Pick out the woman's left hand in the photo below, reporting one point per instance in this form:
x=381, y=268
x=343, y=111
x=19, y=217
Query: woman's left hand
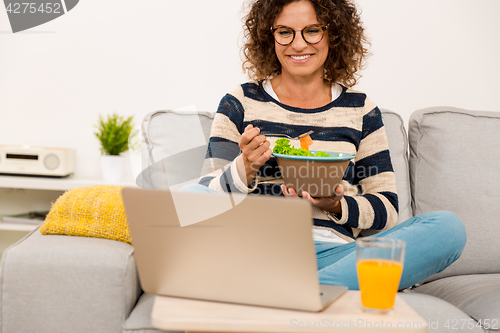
x=329, y=204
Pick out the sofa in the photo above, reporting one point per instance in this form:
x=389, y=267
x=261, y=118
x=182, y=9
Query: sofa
x=448, y=161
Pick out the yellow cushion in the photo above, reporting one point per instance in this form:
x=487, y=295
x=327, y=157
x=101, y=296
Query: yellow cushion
x=95, y=211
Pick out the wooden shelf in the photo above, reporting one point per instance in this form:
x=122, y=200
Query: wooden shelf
x=17, y=226
x=45, y=187
x=56, y=184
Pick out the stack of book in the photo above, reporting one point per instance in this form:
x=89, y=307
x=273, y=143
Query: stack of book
x=30, y=217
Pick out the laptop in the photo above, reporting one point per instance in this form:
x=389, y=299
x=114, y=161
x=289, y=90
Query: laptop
x=243, y=249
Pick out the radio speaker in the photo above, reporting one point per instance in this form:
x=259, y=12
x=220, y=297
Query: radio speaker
x=37, y=161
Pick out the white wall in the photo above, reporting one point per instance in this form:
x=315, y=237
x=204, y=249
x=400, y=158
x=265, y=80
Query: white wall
x=433, y=53
x=134, y=57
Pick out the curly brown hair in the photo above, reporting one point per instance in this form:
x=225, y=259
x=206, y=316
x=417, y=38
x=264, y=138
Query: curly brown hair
x=347, y=41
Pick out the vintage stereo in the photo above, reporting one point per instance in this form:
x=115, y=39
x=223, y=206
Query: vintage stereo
x=37, y=161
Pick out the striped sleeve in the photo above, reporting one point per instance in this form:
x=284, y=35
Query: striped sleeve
x=219, y=168
x=376, y=206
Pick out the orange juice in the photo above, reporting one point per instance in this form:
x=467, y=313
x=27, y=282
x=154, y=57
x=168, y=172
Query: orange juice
x=379, y=282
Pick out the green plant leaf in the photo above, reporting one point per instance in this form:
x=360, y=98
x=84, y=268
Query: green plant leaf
x=114, y=133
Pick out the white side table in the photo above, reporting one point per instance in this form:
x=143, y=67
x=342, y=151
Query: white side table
x=345, y=314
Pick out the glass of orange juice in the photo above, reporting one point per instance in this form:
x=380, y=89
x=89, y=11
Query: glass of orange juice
x=380, y=265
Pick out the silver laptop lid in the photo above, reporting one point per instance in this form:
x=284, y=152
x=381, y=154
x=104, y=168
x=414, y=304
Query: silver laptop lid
x=240, y=249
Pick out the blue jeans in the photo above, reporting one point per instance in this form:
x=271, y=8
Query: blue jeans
x=433, y=242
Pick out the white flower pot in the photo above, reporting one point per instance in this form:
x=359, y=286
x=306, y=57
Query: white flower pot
x=113, y=167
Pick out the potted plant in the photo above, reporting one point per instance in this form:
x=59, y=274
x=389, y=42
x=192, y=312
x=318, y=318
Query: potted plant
x=114, y=133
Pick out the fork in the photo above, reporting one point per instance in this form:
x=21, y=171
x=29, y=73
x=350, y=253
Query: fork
x=289, y=137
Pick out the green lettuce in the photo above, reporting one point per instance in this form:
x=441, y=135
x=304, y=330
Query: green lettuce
x=282, y=146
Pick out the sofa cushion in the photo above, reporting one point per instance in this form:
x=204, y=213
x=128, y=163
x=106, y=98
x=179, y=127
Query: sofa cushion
x=174, y=144
x=54, y=283
x=477, y=295
x=441, y=316
x=95, y=211
x=398, y=146
x=139, y=320
x=454, y=158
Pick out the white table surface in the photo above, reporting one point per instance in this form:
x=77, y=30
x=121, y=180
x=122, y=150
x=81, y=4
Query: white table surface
x=345, y=314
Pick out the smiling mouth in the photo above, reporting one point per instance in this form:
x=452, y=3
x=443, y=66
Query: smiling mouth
x=302, y=57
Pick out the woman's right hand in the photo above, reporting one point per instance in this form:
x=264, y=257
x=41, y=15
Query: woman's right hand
x=255, y=152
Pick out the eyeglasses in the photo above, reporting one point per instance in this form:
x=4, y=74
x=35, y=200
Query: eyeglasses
x=312, y=34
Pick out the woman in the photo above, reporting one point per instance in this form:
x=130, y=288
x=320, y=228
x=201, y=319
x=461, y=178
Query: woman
x=303, y=56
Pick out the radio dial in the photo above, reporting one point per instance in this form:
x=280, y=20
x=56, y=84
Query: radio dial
x=51, y=162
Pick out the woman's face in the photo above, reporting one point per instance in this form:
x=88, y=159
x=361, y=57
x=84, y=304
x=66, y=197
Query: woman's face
x=300, y=59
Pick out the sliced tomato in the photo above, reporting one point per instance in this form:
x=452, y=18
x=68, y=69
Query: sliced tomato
x=305, y=142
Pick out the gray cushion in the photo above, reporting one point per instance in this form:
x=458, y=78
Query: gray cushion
x=440, y=315
x=140, y=318
x=54, y=283
x=454, y=159
x=477, y=295
x=174, y=144
x=398, y=146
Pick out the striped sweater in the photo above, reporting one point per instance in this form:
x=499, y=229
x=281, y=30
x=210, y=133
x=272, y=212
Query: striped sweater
x=351, y=124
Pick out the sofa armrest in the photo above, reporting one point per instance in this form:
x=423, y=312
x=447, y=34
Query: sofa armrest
x=53, y=283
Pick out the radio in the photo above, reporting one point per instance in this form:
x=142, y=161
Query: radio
x=37, y=161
